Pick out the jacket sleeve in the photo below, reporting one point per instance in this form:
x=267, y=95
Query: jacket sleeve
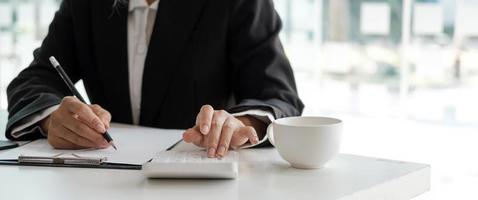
x=39, y=87
x=262, y=75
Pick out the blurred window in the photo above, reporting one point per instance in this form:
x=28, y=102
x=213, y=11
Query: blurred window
x=346, y=54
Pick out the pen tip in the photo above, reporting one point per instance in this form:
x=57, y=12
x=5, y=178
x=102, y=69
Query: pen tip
x=114, y=146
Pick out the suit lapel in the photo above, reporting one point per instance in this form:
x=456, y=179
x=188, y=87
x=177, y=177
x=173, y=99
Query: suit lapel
x=172, y=30
x=111, y=50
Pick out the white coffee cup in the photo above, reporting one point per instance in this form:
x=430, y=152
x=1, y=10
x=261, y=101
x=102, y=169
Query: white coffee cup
x=306, y=142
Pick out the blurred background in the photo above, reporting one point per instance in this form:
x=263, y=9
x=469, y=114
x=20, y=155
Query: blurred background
x=402, y=74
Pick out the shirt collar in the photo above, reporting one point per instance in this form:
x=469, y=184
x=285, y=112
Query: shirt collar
x=133, y=4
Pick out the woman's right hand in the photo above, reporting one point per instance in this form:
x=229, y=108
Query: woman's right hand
x=75, y=125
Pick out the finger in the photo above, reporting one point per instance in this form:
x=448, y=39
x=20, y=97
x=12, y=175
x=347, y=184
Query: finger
x=226, y=136
x=216, y=129
x=71, y=137
x=204, y=119
x=195, y=137
x=242, y=135
x=237, y=140
x=84, y=113
x=103, y=114
x=60, y=143
x=78, y=127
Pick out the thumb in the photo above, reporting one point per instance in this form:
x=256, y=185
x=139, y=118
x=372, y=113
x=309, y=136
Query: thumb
x=242, y=135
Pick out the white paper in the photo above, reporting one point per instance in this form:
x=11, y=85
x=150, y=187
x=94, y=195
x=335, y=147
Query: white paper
x=47, y=12
x=428, y=19
x=136, y=145
x=375, y=18
x=466, y=16
x=26, y=17
x=5, y=14
x=6, y=44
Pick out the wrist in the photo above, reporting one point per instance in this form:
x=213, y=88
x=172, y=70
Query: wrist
x=45, y=125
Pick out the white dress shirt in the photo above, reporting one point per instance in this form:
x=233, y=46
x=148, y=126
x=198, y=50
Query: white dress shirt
x=141, y=19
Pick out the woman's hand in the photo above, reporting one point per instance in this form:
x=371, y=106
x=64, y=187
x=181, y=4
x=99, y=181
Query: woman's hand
x=75, y=125
x=217, y=131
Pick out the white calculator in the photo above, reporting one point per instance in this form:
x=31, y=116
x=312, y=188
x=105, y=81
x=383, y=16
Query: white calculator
x=191, y=164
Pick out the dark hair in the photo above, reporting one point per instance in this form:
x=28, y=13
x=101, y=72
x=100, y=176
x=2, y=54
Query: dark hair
x=116, y=5
x=119, y=3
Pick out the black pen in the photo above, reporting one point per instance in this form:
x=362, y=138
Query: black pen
x=75, y=92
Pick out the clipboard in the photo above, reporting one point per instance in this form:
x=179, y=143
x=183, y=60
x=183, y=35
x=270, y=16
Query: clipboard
x=72, y=162
x=137, y=145
x=75, y=161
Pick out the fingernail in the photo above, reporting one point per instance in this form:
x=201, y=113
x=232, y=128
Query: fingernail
x=221, y=150
x=105, y=145
x=255, y=140
x=211, y=152
x=185, y=139
x=204, y=129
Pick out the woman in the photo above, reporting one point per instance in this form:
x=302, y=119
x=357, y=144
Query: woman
x=157, y=63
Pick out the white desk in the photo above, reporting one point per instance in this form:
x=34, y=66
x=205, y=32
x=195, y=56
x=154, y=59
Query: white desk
x=263, y=175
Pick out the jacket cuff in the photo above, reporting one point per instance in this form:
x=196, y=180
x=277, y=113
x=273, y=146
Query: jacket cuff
x=262, y=115
x=26, y=108
x=30, y=125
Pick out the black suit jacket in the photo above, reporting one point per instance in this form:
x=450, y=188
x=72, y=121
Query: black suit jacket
x=225, y=53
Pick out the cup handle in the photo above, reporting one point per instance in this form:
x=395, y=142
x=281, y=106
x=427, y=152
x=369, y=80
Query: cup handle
x=270, y=134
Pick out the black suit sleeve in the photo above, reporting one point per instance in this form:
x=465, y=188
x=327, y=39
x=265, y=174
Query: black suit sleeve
x=263, y=77
x=39, y=86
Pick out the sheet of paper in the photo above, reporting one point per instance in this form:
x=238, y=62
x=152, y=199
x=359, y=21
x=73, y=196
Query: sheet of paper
x=46, y=14
x=6, y=48
x=26, y=16
x=6, y=14
x=465, y=19
x=136, y=145
x=428, y=19
x=375, y=18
